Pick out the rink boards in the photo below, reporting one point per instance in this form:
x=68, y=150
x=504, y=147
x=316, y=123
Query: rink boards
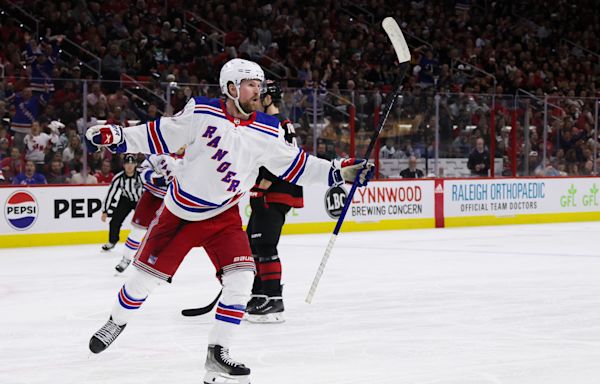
x=57, y=215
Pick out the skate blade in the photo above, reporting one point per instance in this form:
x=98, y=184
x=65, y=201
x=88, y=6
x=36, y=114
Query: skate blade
x=269, y=318
x=223, y=378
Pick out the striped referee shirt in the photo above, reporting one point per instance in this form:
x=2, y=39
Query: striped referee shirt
x=123, y=186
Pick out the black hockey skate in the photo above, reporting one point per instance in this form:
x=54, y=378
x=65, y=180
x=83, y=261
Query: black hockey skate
x=255, y=301
x=108, y=246
x=123, y=264
x=105, y=336
x=271, y=311
x=220, y=368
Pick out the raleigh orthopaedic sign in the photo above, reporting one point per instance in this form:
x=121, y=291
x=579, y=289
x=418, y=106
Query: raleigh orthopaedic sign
x=510, y=197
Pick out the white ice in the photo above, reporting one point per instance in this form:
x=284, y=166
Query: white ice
x=512, y=304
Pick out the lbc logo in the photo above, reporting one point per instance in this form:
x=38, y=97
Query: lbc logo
x=334, y=201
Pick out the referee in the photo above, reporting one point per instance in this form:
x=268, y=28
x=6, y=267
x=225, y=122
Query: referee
x=123, y=195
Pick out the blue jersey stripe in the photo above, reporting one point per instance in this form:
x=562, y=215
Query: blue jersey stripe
x=263, y=131
x=237, y=307
x=196, y=199
x=189, y=209
x=126, y=306
x=228, y=319
x=300, y=172
x=292, y=166
x=131, y=298
x=210, y=113
x=150, y=143
x=160, y=136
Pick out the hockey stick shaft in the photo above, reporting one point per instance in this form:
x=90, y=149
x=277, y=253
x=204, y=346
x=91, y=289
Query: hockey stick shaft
x=393, y=31
x=348, y=202
x=202, y=310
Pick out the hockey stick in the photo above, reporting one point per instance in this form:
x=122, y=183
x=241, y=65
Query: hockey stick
x=397, y=38
x=202, y=310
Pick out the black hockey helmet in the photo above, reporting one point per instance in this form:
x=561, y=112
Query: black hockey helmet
x=273, y=89
x=130, y=159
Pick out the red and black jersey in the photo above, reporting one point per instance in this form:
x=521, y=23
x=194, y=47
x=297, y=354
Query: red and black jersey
x=281, y=191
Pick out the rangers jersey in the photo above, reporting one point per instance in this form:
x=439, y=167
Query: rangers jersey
x=223, y=156
x=154, y=181
x=282, y=192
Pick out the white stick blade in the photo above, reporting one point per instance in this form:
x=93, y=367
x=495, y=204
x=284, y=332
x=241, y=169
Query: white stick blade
x=390, y=26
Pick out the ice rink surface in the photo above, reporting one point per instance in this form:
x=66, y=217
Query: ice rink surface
x=512, y=304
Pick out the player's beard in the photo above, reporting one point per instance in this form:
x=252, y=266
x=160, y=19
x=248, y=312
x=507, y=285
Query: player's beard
x=250, y=106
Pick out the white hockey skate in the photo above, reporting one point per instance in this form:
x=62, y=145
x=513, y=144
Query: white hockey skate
x=221, y=369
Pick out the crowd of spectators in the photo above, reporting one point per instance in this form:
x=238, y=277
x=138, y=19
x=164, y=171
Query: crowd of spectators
x=153, y=55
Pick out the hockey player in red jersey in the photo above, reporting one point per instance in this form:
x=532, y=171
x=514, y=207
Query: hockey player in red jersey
x=228, y=141
x=270, y=199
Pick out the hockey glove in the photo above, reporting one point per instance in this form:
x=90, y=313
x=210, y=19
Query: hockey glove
x=346, y=170
x=56, y=126
x=109, y=136
x=258, y=198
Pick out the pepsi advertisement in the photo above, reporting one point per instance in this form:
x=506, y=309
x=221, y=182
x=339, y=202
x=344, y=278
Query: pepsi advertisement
x=21, y=210
x=53, y=209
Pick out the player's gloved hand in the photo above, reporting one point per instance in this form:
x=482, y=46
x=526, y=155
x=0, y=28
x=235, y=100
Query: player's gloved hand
x=55, y=126
x=346, y=170
x=110, y=136
x=258, y=198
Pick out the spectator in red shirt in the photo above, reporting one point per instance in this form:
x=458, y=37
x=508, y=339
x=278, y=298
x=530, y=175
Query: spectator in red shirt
x=104, y=175
x=12, y=165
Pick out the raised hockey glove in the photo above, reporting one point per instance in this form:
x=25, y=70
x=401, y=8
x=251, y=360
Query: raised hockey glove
x=346, y=170
x=109, y=136
x=56, y=126
x=258, y=198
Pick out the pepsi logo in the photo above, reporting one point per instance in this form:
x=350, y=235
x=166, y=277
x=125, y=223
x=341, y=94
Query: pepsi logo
x=21, y=210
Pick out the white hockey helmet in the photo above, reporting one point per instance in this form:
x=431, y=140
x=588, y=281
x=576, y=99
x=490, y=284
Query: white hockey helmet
x=235, y=71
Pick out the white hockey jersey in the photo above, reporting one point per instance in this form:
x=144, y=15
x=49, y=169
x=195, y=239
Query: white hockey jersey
x=36, y=146
x=223, y=156
x=154, y=181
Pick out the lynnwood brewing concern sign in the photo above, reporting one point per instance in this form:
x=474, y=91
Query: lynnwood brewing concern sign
x=393, y=200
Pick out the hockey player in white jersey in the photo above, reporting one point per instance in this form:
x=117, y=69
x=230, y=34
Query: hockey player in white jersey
x=227, y=142
x=157, y=172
